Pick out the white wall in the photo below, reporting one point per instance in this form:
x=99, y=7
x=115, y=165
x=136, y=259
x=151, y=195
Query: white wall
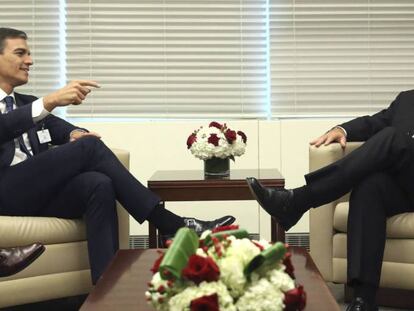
x=161, y=145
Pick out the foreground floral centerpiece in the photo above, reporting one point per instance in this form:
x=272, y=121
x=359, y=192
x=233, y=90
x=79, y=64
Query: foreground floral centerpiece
x=216, y=141
x=223, y=270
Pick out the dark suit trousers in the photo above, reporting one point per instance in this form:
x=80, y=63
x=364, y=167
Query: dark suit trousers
x=380, y=174
x=78, y=179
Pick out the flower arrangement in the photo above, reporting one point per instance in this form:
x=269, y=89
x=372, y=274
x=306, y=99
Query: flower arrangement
x=216, y=140
x=223, y=270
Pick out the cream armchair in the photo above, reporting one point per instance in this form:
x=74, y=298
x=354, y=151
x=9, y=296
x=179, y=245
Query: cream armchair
x=63, y=269
x=328, y=235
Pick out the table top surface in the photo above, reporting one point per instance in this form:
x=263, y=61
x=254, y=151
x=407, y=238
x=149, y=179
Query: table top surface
x=198, y=175
x=124, y=282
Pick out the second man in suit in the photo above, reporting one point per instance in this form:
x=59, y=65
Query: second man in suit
x=380, y=174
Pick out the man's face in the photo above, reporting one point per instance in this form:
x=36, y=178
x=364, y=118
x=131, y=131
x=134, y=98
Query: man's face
x=14, y=64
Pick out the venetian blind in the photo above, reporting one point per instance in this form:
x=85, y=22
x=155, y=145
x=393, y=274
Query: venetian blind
x=40, y=20
x=169, y=58
x=339, y=57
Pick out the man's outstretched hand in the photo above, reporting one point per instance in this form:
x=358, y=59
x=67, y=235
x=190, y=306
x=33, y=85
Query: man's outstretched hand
x=76, y=134
x=334, y=135
x=71, y=94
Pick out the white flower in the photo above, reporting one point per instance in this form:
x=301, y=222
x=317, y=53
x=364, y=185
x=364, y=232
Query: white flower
x=261, y=296
x=231, y=273
x=233, y=262
x=280, y=280
x=219, y=147
x=262, y=291
x=243, y=249
x=156, y=298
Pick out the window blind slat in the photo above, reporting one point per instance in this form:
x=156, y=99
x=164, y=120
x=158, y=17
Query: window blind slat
x=40, y=20
x=339, y=58
x=169, y=58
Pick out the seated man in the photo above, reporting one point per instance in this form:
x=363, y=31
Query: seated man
x=15, y=259
x=80, y=178
x=380, y=174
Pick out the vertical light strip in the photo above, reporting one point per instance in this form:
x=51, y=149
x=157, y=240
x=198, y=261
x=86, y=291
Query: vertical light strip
x=62, y=42
x=61, y=111
x=268, y=82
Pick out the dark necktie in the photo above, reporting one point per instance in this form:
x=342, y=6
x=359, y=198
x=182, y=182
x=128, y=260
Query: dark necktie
x=9, y=100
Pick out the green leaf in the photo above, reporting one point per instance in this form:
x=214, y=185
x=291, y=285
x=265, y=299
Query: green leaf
x=267, y=259
x=185, y=244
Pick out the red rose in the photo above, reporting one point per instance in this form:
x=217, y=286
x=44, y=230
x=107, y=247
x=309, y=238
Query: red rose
x=213, y=139
x=157, y=263
x=243, y=136
x=295, y=299
x=230, y=136
x=216, y=125
x=201, y=269
x=205, y=303
x=191, y=140
x=288, y=264
x=225, y=228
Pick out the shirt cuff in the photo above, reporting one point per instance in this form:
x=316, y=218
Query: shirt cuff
x=340, y=127
x=38, y=110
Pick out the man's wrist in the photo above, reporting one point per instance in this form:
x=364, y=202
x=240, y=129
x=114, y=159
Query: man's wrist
x=48, y=103
x=339, y=128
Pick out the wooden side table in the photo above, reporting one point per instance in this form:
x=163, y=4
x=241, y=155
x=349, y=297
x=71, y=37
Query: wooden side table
x=191, y=185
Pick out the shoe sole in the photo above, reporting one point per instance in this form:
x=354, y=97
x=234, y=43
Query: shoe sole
x=261, y=204
x=32, y=259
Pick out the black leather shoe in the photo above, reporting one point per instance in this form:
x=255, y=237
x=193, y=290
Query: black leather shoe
x=15, y=259
x=199, y=225
x=358, y=304
x=277, y=202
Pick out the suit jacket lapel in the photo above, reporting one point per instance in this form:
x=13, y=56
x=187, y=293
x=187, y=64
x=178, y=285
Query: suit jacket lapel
x=32, y=132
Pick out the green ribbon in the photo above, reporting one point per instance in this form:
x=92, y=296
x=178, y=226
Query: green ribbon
x=184, y=244
x=267, y=259
x=238, y=233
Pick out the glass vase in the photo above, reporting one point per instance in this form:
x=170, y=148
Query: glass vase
x=217, y=167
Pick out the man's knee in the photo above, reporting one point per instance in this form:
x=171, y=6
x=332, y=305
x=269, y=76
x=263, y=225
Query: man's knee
x=373, y=185
x=99, y=183
x=374, y=181
x=393, y=133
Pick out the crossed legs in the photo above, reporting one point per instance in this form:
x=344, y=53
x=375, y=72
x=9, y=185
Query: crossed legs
x=79, y=179
x=380, y=174
x=84, y=178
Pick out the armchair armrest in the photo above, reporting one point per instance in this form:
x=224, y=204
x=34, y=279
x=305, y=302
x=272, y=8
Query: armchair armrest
x=321, y=219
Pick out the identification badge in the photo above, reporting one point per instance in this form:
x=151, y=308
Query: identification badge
x=44, y=136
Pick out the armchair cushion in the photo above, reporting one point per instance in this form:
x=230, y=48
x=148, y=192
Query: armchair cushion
x=49, y=230
x=63, y=269
x=400, y=226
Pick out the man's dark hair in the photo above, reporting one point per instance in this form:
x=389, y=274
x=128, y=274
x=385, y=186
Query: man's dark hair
x=10, y=33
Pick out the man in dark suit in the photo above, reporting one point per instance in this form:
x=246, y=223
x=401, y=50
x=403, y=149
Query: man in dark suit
x=81, y=177
x=380, y=174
